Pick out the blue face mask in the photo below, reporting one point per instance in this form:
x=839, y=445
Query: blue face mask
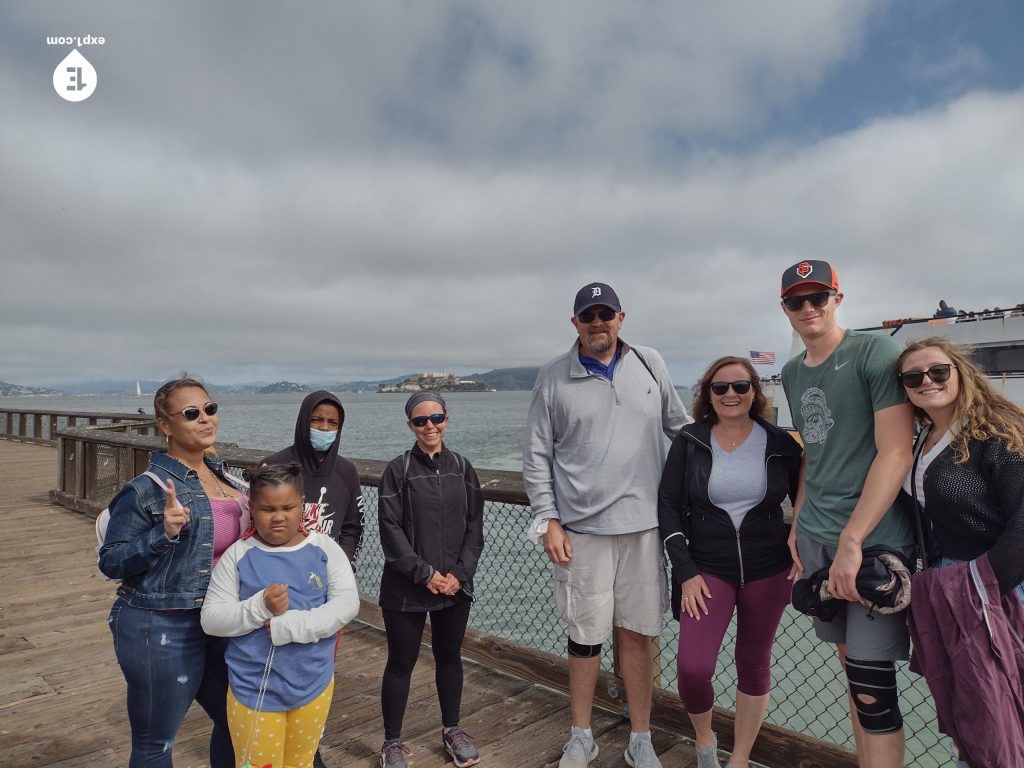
x=322, y=441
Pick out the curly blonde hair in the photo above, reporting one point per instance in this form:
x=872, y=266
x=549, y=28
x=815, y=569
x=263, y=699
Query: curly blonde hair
x=981, y=413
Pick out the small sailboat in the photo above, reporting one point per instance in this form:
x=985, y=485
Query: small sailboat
x=138, y=389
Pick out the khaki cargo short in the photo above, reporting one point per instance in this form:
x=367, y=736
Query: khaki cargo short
x=615, y=580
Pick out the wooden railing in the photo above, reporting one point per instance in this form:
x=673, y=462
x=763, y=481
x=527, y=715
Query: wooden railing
x=40, y=426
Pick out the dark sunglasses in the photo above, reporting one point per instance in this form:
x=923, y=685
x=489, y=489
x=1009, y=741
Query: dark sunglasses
x=937, y=373
x=434, y=418
x=606, y=314
x=740, y=387
x=192, y=413
x=818, y=300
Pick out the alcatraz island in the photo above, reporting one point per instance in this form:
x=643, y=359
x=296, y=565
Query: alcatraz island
x=437, y=381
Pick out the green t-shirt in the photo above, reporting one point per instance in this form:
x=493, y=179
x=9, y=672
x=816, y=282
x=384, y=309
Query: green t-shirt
x=833, y=406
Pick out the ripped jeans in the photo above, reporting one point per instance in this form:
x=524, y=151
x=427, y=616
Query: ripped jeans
x=168, y=661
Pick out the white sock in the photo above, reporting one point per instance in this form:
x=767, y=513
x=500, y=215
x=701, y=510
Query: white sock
x=635, y=736
x=587, y=732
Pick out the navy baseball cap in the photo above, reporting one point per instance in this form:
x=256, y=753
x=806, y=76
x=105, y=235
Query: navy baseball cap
x=810, y=273
x=594, y=295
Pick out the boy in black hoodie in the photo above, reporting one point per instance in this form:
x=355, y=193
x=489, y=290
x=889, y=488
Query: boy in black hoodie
x=334, y=499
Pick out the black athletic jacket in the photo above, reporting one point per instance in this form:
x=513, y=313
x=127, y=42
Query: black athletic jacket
x=340, y=511
x=431, y=518
x=706, y=540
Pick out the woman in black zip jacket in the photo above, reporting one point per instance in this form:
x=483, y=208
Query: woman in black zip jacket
x=431, y=530
x=720, y=515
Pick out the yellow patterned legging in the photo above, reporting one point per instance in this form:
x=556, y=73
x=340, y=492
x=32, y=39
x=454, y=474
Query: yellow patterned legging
x=283, y=739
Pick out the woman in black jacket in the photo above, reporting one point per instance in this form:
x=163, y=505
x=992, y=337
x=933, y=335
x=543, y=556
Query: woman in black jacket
x=720, y=515
x=431, y=530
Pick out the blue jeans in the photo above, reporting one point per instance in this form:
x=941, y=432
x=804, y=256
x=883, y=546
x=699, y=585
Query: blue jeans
x=168, y=661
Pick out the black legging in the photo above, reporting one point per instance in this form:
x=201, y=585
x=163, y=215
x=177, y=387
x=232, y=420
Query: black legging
x=405, y=632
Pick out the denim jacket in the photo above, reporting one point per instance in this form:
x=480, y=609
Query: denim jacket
x=156, y=572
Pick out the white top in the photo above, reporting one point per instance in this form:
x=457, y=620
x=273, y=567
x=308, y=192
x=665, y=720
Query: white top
x=927, y=457
x=739, y=479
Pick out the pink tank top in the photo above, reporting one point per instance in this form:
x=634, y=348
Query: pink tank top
x=227, y=523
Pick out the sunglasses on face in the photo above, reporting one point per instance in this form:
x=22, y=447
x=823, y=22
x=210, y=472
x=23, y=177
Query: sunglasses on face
x=434, y=418
x=740, y=387
x=937, y=373
x=192, y=413
x=818, y=300
x=587, y=316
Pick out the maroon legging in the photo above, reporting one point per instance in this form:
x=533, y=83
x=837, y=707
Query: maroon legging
x=759, y=605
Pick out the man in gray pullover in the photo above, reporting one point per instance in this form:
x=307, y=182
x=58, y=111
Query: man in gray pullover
x=594, y=451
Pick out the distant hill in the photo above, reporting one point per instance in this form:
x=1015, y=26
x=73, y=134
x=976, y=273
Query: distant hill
x=283, y=388
x=507, y=379
x=18, y=389
x=501, y=379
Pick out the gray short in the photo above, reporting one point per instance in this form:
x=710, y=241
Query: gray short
x=868, y=636
x=612, y=580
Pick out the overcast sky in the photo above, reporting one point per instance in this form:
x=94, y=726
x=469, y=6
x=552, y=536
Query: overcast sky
x=329, y=191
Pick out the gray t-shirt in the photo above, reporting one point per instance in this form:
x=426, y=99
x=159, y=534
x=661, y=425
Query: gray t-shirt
x=833, y=406
x=739, y=479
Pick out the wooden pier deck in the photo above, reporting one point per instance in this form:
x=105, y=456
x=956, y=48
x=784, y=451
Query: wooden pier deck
x=62, y=694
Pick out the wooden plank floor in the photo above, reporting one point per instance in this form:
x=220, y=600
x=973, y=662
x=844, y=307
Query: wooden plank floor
x=62, y=694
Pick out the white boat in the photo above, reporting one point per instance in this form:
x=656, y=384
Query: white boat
x=997, y=338
x=138, y=389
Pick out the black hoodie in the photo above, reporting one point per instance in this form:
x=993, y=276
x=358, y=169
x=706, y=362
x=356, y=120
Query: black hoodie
x=332, y=484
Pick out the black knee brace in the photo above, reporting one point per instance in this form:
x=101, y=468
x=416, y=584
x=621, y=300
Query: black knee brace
x=877, y=680
x=580, y=651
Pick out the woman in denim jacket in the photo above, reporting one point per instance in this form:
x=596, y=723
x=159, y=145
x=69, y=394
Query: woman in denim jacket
x=167, y=528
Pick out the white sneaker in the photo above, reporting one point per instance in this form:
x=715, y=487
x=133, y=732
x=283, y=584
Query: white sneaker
x=578, y=752
x=707, y=757
x=640, y=754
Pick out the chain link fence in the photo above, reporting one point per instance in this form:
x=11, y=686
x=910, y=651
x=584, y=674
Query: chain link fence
x=514, y=600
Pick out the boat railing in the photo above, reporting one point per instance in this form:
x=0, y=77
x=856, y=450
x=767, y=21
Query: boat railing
x=515, y=625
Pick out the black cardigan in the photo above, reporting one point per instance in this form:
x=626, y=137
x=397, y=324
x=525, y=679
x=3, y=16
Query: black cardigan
x=978, y=507
x=710, y=542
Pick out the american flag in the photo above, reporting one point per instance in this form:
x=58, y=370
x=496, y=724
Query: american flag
x=762, y=358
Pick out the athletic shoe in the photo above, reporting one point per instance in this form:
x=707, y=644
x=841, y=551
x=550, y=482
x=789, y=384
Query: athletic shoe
x=707, y=757
x=460, y=747
x=578, y=752
x=640, y=754
x=392, y=754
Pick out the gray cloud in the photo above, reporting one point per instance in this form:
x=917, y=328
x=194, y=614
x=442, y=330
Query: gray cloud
x=359, y=191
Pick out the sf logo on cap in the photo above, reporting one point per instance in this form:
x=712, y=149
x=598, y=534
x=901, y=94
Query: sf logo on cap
x=803, y=269
x=595, y=291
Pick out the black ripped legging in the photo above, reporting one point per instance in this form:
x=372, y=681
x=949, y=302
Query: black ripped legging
x=405, y=631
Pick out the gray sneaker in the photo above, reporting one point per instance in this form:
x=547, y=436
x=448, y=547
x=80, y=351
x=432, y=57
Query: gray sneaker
x=707, y=757
x=640, y=754
x=460, y=746
x=578, y=752
x=392, y=754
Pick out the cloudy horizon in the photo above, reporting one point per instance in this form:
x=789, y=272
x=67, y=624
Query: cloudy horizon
x=337, y=192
